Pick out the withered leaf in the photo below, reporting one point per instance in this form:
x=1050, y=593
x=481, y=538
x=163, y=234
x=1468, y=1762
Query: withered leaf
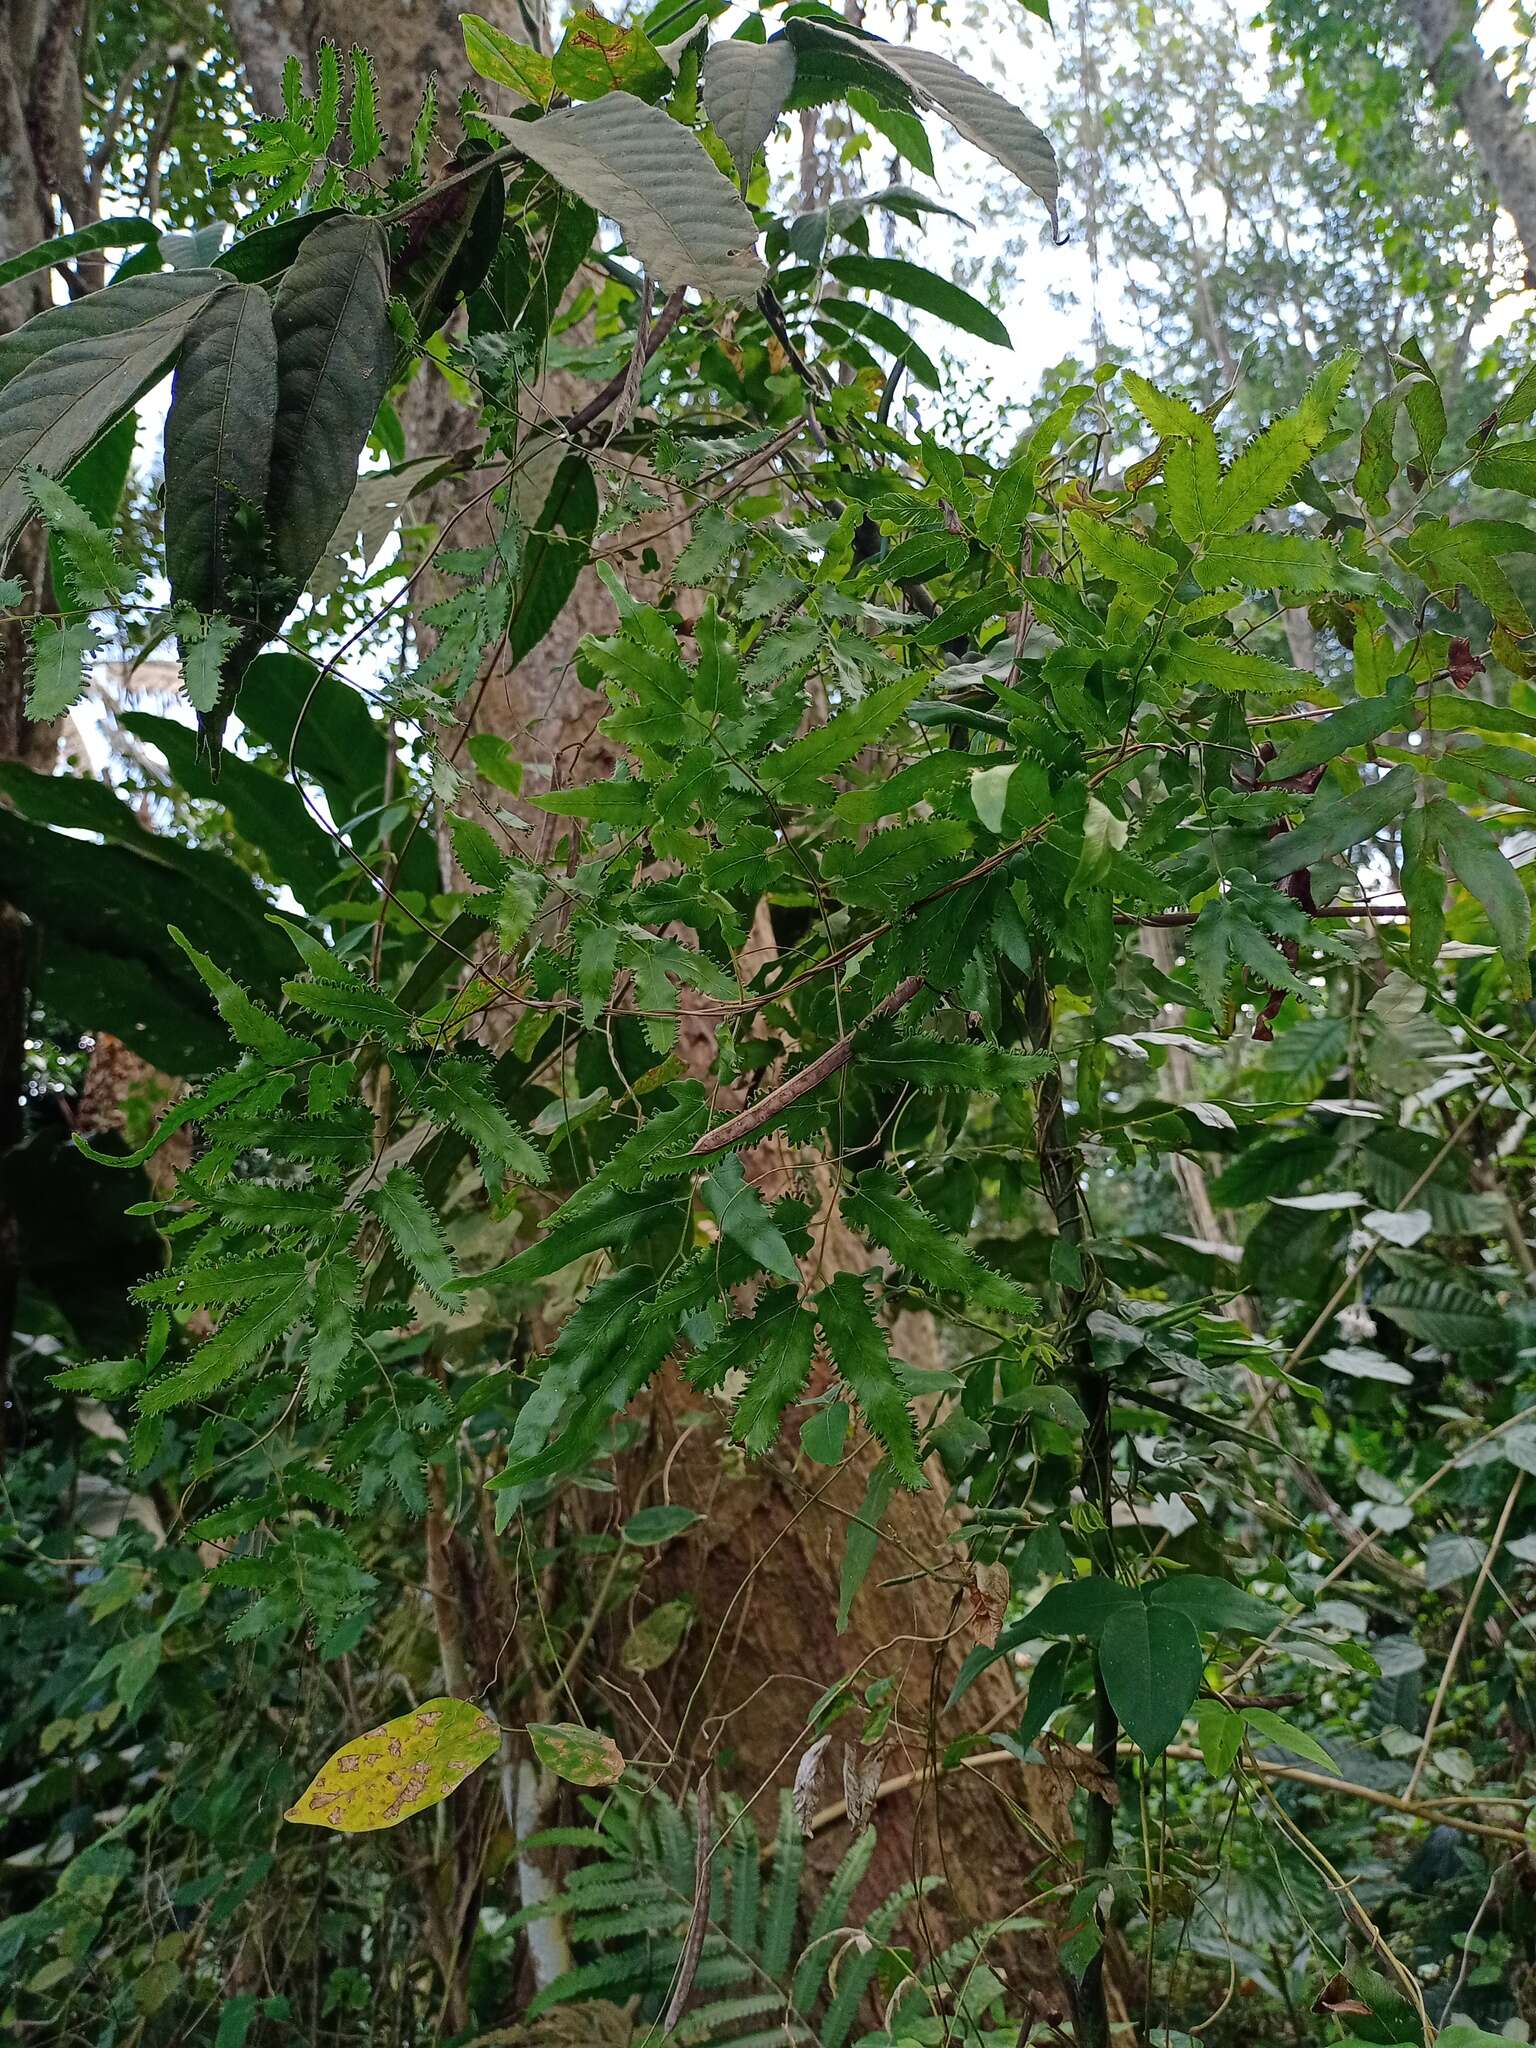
x=808, y=1783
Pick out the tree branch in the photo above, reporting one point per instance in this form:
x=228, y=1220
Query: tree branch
x=735, y=1128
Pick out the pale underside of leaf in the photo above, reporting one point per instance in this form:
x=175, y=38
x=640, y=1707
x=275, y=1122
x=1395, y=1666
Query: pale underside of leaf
x=745, y=88
x=971, y=108
x=681, y=219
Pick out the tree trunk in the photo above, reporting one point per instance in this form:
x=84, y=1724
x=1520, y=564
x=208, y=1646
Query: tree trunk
x=1500, y=129
x=40, y=157
x=762, y=1564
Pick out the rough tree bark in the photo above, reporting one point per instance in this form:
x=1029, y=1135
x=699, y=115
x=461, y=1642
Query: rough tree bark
x=764, y=1567
x=1500, y=129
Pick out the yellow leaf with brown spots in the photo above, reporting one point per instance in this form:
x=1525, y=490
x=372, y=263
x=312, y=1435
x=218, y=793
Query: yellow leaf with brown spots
x=380, y=1779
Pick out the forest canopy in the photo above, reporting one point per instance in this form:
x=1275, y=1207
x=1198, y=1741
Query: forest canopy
x=767, y=794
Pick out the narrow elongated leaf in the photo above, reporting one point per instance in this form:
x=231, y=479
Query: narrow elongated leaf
x=744, y=1219
x=608, y=1221
x=557, y=553
x=239, y=1341
x=1213, y=665
x=894, y=278
x=402, y=1208
x=458, y=1093
x=1113, y=552
x=919, y=1059
x=863, y=1539
x=1268, y=1726
x=250, y=1023
x=380, y=1779
x=1150, y=1658
x=1328, y=738
x=137, y=302
x=1264, y=471
x=801, y=764
x=1484, y=871
x=218, y=440
x=101, y=234
x=1337, y=824
x=745, y=88
x=59, y=405
x=338, y=1287
x=334, y=352
x=779, y=1363
x=860, y=1352
x=680, y=217
x=1269, y=561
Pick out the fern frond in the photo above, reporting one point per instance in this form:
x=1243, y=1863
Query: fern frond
x=783, y=1893
x=830, y=1914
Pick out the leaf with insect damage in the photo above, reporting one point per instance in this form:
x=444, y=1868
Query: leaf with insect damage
x=384, y=1777
x=579, y=1755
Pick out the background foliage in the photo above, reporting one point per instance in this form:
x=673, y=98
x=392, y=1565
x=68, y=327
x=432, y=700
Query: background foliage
x=722, y=914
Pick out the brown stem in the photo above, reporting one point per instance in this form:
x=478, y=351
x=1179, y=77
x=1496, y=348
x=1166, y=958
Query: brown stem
x=735, y=1128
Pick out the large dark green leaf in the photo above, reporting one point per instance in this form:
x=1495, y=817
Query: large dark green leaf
x=60, y=403
x=268, y=252
x=136, y=302
x=1150, y=1660
x=266, y=809
x=334, y=352
x=218, y=440
x=557, y=553
x=448, y=244
x=103, y=910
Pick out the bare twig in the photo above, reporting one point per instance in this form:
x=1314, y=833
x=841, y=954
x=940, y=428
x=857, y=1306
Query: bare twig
x=735, y=1128
x=646, y=345
x=698, y=1925
x=1318, y=1781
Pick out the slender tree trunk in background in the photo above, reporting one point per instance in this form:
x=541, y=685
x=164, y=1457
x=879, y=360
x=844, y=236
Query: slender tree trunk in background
x=40, y=164
x=763, y=1569
x=1500, y=129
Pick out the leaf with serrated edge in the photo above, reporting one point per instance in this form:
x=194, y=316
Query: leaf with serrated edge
x=398, y=1769
x=681, y=219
